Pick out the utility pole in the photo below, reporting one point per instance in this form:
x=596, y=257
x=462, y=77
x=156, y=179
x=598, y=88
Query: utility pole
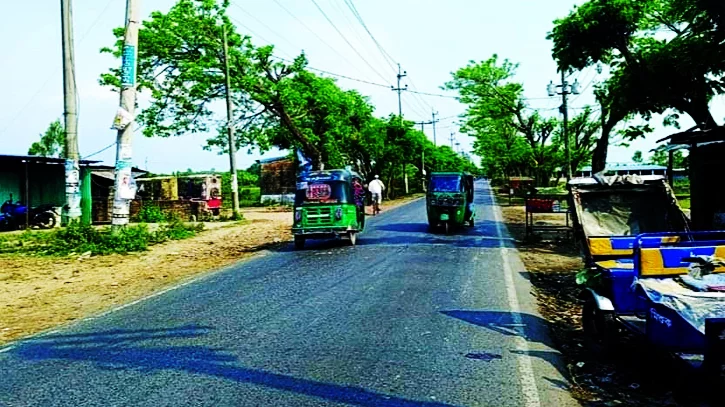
x=434, y=121
x=400, y=116
x=453, y=136
x=123, y=193
x=230, y=130
x=400, y=90
x=72, y=157
x=565, y=91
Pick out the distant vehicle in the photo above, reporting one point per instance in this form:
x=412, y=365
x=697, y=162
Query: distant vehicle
x=449, y=201
x=328, y=204
x=14, y=215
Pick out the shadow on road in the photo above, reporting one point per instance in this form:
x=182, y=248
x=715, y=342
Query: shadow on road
x=150, y=350
x=532, y=328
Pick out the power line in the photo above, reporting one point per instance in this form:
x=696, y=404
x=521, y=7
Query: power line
x=50, y=77
x=99, y=151
x=337, y=74
x=318, y=36
x=346, y=40
x=391, y=61
x=263, y=24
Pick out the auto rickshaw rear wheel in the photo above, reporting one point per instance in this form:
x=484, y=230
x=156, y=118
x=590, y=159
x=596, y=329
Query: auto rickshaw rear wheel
x=299, y=242
x=447, y=227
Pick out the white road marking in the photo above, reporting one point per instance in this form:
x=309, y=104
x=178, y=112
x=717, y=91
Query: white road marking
x=527, y=379
x=3, y=350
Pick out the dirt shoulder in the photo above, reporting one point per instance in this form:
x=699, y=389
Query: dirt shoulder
x=628, y=376
x=38, y=293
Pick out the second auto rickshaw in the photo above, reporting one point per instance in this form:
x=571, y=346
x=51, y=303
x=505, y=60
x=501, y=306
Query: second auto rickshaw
x=328, y=204
x=449, y=201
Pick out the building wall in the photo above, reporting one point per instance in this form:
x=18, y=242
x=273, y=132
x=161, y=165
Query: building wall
x=10, y=182
x=46, y=183
x=278, y=178
x=707, y=203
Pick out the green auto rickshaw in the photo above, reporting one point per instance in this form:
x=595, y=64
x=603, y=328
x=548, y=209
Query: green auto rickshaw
x=449, y=201
x=328, y=204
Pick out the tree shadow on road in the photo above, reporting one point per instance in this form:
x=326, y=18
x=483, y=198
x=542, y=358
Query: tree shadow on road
x=531, y=328
x=154, y=350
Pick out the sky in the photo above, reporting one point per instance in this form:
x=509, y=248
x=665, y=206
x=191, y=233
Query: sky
x=429, y=38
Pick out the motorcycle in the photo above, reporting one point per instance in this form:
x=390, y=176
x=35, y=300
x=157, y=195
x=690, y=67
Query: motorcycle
x=13, y=216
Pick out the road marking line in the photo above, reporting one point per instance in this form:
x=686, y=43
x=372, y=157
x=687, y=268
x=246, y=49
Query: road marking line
x=3, y=350
x=527, y=379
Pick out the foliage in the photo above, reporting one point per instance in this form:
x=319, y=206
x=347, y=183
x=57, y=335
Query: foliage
x=276, y=103
x=52, y=142
x=664, y=55
x=150, y=213
x=661, y=157
x=79, y=239
x=637, y=157
x=511, y=140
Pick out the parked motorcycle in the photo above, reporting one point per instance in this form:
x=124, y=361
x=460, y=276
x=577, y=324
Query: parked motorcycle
x=13, y=216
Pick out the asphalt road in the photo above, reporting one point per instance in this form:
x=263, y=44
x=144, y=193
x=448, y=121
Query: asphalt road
x=406, y=318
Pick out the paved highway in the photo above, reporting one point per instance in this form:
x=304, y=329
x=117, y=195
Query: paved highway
x=406, y=318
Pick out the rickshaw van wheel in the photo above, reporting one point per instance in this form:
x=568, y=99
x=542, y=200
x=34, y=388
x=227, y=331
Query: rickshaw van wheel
x=299, y=242
x=353, y=238
x=599, y=327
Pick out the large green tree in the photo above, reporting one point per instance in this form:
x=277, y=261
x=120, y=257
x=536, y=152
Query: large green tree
x=663, y=55
x=52, y=142
x=508, y=134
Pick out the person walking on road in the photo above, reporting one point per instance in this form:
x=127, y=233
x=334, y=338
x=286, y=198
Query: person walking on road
x=376, y=189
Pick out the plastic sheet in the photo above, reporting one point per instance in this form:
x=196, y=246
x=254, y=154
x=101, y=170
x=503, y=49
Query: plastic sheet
x=693, y=306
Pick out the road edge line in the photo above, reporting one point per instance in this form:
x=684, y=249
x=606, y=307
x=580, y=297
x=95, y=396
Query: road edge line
x=527, y=379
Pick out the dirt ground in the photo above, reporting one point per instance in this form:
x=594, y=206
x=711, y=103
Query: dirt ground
x=629, y=375
x=38, y=293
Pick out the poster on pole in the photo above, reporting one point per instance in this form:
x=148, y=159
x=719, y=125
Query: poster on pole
x=128, y=66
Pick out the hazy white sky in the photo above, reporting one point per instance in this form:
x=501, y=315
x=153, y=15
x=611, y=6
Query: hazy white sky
x=429, y=38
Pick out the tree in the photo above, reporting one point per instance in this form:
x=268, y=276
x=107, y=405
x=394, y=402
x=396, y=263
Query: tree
x=52, y=142
x=496, y=115
x=637, y=157
x=277, y=103
x=650, y=73
x=660, y=156
x=582, y=133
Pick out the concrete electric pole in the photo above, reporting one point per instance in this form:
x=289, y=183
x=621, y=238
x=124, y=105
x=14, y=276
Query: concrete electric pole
x=230, y=130
x=566, y=90
x=70, y=100
x=400, y=116
x=123, y=191
x=434, y=121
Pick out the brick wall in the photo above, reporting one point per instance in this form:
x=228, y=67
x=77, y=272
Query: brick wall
x=278, y=177
x=183, y=209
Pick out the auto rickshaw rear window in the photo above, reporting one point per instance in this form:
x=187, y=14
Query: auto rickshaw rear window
x=323, y=193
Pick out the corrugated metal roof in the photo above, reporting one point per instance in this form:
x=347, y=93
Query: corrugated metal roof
x=630, y=167
x=272, y=160
x=39, y=159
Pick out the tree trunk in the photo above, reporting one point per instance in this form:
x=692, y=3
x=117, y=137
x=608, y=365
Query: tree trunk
x=599, y=155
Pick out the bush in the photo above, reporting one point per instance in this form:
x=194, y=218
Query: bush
x=176, y=231
x=78, y=239
x=150, y=214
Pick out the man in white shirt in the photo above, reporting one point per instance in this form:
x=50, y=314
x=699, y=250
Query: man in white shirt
x=376, y=189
